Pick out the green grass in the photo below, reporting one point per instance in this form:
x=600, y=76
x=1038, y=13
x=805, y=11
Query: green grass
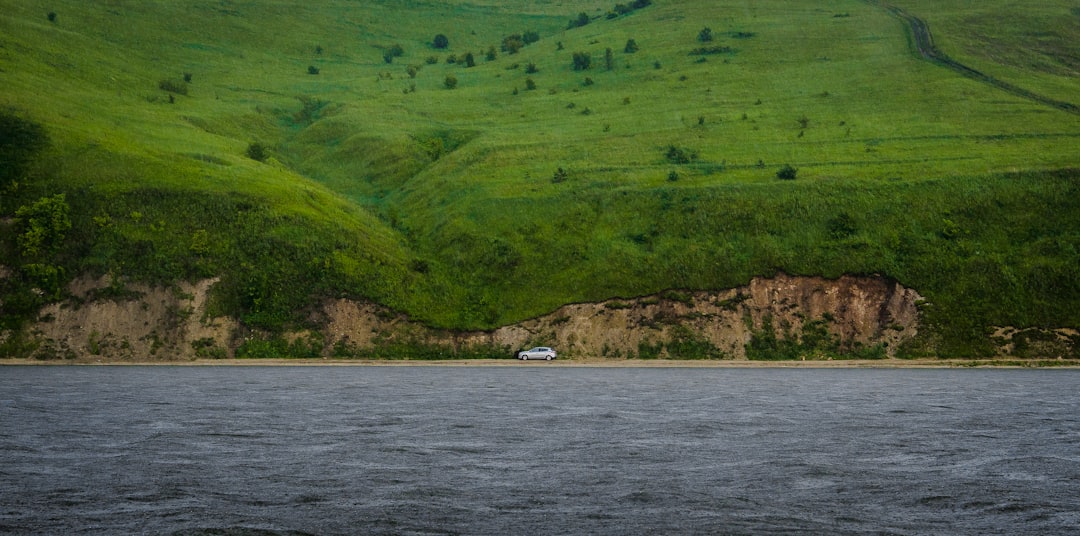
x=440, y=203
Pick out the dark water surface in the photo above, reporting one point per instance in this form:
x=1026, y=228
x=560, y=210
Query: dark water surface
x=537, y=450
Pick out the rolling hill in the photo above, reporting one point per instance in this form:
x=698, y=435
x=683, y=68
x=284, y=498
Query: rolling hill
x=551, y=153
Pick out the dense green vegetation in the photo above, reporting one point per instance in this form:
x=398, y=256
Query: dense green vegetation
x=306, y=151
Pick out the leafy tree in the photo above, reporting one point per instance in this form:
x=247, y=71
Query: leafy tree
x=511, y=44
x=560, y=176
x=787, y=173
x=450, y=82
x=491, y=54
x=678, y=155
x=705, y=35
x=530, y=37
x=530, y=84
x=609, y=59
x=631, y=46
x=257, y=152
x=42, y=226
x=470, y=61
x=440, y=41
x=52, y=16
x=531, y=68
x=581, y=20
x=312, y=69
x=582, y=61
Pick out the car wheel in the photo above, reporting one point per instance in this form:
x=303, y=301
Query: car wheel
x=549, y=358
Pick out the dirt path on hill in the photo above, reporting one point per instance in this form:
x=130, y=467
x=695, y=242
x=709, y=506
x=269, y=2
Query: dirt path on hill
x=924, y=44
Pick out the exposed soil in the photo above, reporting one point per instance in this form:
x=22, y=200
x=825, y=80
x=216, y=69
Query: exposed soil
x=170, y=325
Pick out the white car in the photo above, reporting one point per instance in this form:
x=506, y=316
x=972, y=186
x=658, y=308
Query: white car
x=540, y=352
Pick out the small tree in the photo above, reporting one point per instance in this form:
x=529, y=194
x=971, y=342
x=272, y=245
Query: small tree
x=470, y=61
x=312, y=69
x=491, y=54
x=42, y=226
x=705, y=35
x=511, y=44
x=440, y=41
x=559, y=176
x=530, y=68
x=581, y=20
x=631, y=46
x=787, y=173
x=52, y=16
x=530, y=37
x=582, y=61
x=450, y=82
x=609, y=59
x=256, y=151
x=530, y=84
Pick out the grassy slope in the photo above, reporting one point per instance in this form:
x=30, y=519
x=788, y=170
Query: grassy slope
x=903, y=165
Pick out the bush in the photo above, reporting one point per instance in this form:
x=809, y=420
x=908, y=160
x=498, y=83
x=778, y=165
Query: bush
x=582, y=61
x=581, y=20
x=679, y=155
x=530, y=37
x=52, y=16
x=787, y=173
x=705, y=35
x=450, y=82
x=511, y=44
x=631, y=46
x=531, y=68
x=560, y=176
x=256, y=151
x=312, y=69
x=42, y=226
x=530, y=84
x=470, y=61
x=440, y=41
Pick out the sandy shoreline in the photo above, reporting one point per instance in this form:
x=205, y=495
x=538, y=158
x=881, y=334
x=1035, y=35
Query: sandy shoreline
x=564, y=363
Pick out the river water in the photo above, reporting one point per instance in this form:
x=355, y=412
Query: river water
x=537, y=450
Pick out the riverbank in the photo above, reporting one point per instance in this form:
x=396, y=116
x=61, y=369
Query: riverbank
x=597, y=362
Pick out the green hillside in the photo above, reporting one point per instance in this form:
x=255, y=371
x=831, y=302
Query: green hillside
x=303, y=151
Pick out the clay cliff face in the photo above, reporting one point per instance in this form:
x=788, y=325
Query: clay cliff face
x=866, y=311
x=172, y=324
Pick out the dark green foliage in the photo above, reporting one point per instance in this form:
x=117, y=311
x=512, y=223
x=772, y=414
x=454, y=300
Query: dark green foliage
x=531, y=68
x=787, y=173
x=51, y=16
x=673, y=176
x=631, y=46
x=530, y=37
x=560, y=176
x=178, y=87
x=680, y=155
x=450, y=82
x=582, y=61
x=609, y=59
x=491, y=54
x=256, y=151
x=20, y=141
x=842, y=226
x=470, y=61
x=432, y=60
x=41, y=227
x=511, y=44
x=707, y=51
x=312, y=69
x=581, y=20
x=440, y=41
x=187, y=78
x=530, y=84
x=705, y=35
